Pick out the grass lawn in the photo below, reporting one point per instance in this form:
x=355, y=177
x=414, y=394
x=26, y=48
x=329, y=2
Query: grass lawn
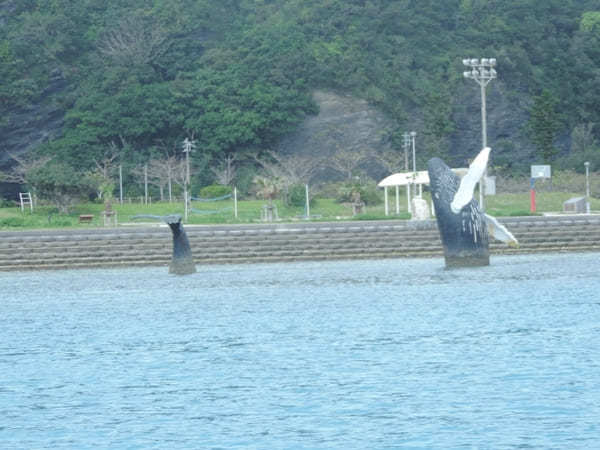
x=249, y=211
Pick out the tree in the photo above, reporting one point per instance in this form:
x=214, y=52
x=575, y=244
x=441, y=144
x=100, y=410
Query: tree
x=134, y=40
x=103, y=172
x=267, y=188
x=392, y=160
x=240, y=72
x=226, y=169
x=582, y=138
x=61, y=184
x=288, y=169
x=438, y=117
x=348, y=160
x=162, y=172
x=543, y=122
x=23, y=172
x=291, y=168
x=590, y=21
x=178, y=171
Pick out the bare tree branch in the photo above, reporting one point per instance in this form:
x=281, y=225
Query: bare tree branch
x=162, y=172
x=392, y=161
x=104, y=166
x=134, y=41
x=178, y=171
x=226, y=169
x=25, y=166
x=293, y=169
x=348, y=160
x=582, y=137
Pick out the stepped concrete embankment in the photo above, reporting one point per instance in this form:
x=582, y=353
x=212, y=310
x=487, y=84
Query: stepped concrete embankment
x=220, y=244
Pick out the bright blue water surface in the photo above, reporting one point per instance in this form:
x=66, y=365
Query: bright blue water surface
x=341, y=355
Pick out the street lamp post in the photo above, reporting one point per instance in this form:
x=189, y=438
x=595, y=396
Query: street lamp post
x=187, y=148
x=587, y=186
x=482, y=71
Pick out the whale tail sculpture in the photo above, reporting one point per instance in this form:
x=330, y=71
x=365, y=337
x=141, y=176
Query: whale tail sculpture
x=464, y=228
x=182, y=262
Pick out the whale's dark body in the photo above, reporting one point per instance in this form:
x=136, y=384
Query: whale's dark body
x=464, y=235
x=182, y=262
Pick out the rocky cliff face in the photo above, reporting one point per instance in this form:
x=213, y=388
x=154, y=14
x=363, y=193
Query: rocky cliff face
x=26, y=128
x=344, y=123
x=506, y=120
x=348, y=123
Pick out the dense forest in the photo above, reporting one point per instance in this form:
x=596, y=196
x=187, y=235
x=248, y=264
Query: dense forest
x=128, y=81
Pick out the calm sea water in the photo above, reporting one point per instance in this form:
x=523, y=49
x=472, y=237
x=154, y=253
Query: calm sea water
x=333, y=355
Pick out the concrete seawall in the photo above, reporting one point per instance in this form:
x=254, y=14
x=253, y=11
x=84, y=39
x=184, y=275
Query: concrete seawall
x=220, y=244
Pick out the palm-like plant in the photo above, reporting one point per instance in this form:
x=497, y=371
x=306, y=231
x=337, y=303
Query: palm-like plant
x=267, y=188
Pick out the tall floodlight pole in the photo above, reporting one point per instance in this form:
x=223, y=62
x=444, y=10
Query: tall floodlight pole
x=482, y=71
x=587, y=186
x=187, y=148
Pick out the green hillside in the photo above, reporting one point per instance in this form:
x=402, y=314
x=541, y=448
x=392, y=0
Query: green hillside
x=137, y=77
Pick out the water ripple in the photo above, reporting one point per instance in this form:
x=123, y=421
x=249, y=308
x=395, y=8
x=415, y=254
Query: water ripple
x=354, y=355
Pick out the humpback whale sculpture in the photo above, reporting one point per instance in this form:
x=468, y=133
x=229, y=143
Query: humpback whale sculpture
x=182, y=262
x=464, y=228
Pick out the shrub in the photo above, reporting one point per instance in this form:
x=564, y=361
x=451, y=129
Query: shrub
x=297, y=196
x=215, y=191
x=368, y=193
x=5, y=203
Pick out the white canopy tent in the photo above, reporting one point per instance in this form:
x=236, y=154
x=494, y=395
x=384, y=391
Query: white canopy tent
x=407, y=179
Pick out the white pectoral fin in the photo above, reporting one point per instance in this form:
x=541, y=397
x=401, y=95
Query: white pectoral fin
x=464, y=194
x=499, y=231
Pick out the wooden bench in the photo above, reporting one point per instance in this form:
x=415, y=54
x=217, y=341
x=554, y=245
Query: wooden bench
x=86, y=218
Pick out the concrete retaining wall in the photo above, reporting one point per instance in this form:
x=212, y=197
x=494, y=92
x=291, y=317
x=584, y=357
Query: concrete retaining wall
x=151, y=245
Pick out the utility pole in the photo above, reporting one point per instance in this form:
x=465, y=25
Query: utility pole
x=121, y=184
x=413, y=135
x=587, y=186
x=145, y=184
x=406, y=145
x=187, y=148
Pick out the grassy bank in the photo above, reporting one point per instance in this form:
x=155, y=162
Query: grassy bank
x=249, y=211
